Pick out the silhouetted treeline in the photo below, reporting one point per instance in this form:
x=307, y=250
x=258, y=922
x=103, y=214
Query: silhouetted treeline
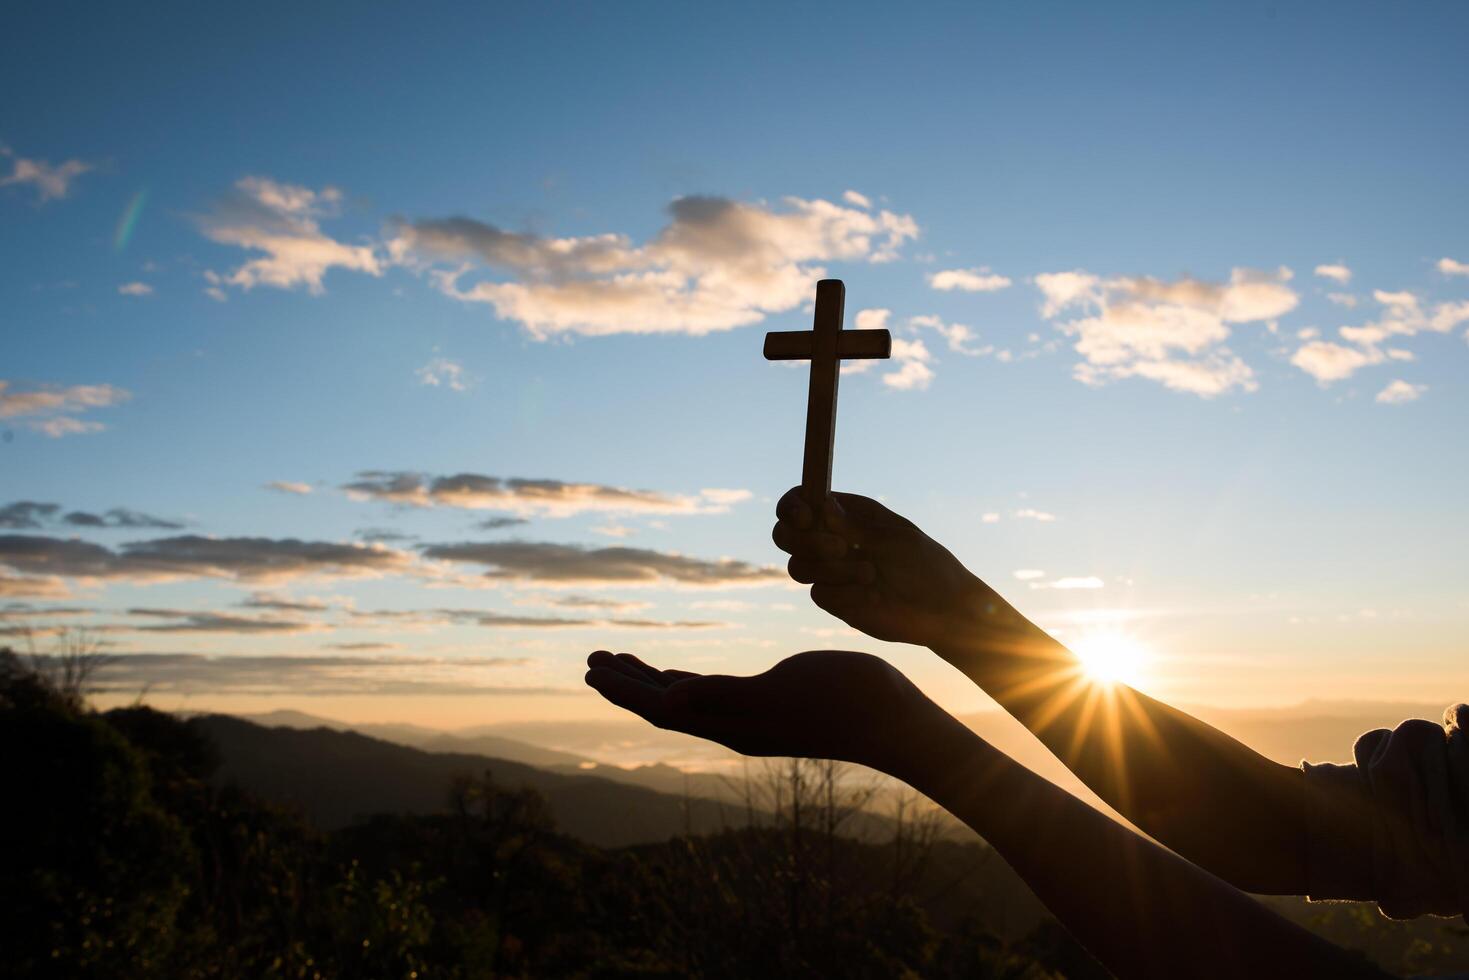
x=126, y=860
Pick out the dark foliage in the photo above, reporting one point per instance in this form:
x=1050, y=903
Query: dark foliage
x=128, y=858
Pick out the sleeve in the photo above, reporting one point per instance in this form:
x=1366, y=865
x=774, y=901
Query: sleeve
x=1393, y=827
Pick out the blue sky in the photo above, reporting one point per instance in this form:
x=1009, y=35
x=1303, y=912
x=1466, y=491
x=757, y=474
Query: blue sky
x=543, y=241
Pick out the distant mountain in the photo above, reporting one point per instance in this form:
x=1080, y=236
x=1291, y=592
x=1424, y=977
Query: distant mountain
x=656, y=776
x=335, y=777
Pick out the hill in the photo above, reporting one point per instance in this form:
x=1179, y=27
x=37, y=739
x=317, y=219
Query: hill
x=337, y=777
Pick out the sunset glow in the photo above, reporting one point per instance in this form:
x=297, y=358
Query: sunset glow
x=1112, y=658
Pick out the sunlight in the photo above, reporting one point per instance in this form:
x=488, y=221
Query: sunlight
x=1111, y=658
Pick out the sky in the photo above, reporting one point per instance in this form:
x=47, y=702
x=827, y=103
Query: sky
x=382, y=361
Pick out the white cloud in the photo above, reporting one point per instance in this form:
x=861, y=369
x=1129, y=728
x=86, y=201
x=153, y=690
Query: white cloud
x=549, y=498
x=52, y=182
x=1400, y=391
x=287, y=486
x=1308, y=333
x=65, y=425
x=51, y=410
x=1030, y=513
x=1065, y=289
x=283, y=222
x=861, y=200
x=980, y=280
x=1027, y=574
x=1071, y=582
x=443, y=372
x=1450, y=267
x=913, y=372
x=1336, y=273
x=1402, y=316
x=956, y=335
x=989, y=517
x=135, y=289
x=1327, y=362
x=613, y=530
x=1170, y=332
x=1342, y=299
x=872, y=319
x=716, y=265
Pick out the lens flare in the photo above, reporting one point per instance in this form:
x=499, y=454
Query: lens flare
x=1111, y=658
x=129, y=221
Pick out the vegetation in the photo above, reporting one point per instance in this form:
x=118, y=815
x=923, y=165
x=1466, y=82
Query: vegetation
x=129, y=860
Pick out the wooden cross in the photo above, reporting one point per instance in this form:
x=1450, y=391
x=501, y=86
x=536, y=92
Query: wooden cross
x=825, y=345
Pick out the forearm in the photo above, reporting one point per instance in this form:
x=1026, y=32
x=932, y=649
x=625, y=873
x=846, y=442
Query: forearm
x=1141, y=910
x=1201, y=792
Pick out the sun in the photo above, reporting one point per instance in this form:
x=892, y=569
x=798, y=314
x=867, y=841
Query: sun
x=1111, y=658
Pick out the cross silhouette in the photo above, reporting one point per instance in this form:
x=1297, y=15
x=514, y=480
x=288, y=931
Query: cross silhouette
x=825, y=345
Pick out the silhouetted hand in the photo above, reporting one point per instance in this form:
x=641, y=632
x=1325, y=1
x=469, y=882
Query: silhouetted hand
x=823, y=704
x=877, y=572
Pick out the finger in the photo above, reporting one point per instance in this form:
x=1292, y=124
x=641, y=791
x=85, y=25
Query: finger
x=864, y=509
x=839, y=599
x=814, y=544
x=672, y=675
x=809, y=571
x=834, y=518
x=641, y=698
x=793, y=507
x=637, y=668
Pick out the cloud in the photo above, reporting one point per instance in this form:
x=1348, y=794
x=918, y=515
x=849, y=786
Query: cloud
x=1342, y=299
x=1402, y=315
x=33, y=587
x=52, y=182
x=1336, y=273
x=715, y=265
x=286, y=486
x=860, y=200
x=956, y=335
x=277, y=603
x=980, y=280
x=1031, y=514
x=614, y=530
x=591, y=602
x=1028, y=574
x=1071, y=582
x=192, y=556
x=384, y=535
x=191, y=621
x=283, y=222
x=552, y=498
x=1400, y=391
x=546, y=563
x=913, y=372
x=443, y=372
x=499, y=523
x=49, y=409
x=1327, y=361
x=121, y=517
x=1170, y=332
x=135, y=289
x=24, y=610
x=309, y=675
x=29, y=514
x=990, y=517
x=1450, y=267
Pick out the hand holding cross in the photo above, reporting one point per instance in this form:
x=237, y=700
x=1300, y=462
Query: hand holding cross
x=825, y=345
